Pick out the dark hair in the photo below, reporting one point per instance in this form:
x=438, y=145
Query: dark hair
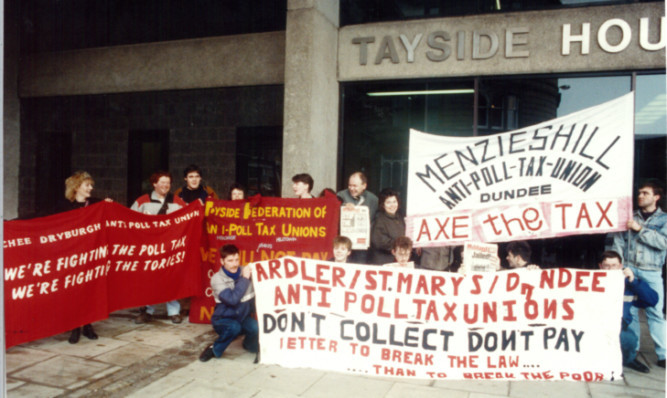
x=610, y=254
x=386, y=194
x=342, y=240
x=520, y=248
x=238, y=186
x=191, y=169
x=155, y=177
x=228, y=250
x=457, y=259
x=304, y=178
x=655, y=185
x=361, y=176
x=402, y=242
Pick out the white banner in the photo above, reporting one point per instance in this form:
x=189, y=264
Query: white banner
x=567, y=176
x=509, y=325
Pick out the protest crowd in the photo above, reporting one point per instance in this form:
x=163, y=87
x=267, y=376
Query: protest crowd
x=639, y=252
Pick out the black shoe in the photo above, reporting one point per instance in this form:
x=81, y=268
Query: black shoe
x=638, y=366
x=143, y=317
x=207, y=354
x=661, y=363
x=89, y=332
x=74, y=337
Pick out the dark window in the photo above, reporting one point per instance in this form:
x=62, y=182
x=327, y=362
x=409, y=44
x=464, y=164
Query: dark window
x=259, y=159
x=364, y=11
x=148, y=152
x=52, y=168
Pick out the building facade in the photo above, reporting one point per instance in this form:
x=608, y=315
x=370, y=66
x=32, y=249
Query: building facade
x=326, y=87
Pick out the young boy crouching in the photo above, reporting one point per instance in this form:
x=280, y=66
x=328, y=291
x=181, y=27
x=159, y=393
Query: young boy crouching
x=342, y=248
x=233, y=293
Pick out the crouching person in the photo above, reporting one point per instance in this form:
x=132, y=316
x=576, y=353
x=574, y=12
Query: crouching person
x=233, y=293
x=637, y=294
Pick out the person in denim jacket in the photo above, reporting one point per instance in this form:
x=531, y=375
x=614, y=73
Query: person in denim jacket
x=643, y=247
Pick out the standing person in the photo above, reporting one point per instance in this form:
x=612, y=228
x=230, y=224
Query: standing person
x=302, y=184
x=388, y=225
x=194, y=189
x=518, y=255
x=643, y=247
x=637, y=294
x=236, y=192
x=402, y=251
x=357, y=195
x=342, y=248
x=78, y=188
x=233, y=294
x=160, y=201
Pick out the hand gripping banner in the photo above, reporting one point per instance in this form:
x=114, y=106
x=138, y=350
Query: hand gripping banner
x=567, y=176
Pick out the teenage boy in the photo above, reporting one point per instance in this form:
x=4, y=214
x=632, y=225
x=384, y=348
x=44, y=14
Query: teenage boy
x=194, y=189
x=402, y=249
x=233, y=292
x=342, y=248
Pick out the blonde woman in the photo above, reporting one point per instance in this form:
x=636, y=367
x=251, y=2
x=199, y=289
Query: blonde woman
x=78, y=188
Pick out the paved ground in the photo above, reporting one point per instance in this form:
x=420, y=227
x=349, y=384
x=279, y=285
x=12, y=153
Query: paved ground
x=161, y=360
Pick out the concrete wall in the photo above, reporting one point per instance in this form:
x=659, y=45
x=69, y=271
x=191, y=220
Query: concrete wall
x=376, y=51
x=253, y=59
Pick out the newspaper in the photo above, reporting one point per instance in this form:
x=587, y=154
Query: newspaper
x=355, y=223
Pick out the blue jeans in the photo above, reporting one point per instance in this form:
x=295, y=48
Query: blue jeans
x=629, y=343
x=654, y=315
x=173, y=308
x=229, y=329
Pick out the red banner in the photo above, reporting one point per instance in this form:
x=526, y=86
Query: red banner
x=76, y=267
x=263, y=229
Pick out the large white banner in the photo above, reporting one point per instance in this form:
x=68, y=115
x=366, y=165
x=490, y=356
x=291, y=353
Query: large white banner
x=555, y=324
x=571, y=175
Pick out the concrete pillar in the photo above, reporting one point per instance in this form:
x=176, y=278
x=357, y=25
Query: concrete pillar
x=11, y=126
x=310, y=135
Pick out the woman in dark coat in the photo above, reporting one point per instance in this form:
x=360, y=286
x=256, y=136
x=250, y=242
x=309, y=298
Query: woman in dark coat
x=389, y=225
x=78, y=188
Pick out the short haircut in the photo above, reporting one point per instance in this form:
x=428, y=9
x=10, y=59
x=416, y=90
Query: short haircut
x=239, y=187
x=655, y=186
x=304, y=178
x=191, y=169
x=520, y=248
x=386, y=194
x=610, y=254
x=155, y=177
x=228, y=250
x=361, y=176
x=74, y=182
x=342, y=240
x=402, y=242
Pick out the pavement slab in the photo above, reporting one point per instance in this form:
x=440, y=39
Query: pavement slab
x=548, y=389
x=272, y=377
x=34, y=391
x=85, y=348
x=20, y=357
x=400, y=390
x=61, y=371
x=481, y=386
x=335, y=385
x=128, y=353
